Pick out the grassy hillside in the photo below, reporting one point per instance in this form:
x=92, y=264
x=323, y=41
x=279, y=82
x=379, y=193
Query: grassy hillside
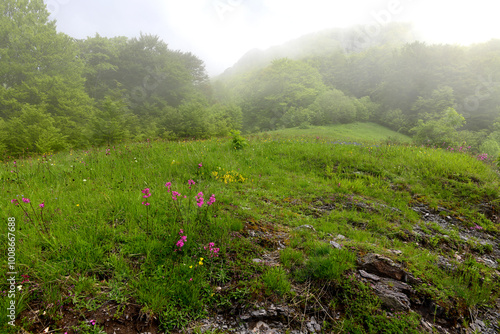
x=294, y=219
x=355, y=132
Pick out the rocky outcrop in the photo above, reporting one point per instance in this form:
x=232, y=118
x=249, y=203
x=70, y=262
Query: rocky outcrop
x=385, y=267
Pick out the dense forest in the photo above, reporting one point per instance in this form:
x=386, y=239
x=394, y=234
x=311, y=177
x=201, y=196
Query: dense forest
x=58, y=92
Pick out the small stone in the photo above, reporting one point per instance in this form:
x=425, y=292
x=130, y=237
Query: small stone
x=340, y=237
x=490, y=263
x=370, y=276
x=480, y=323
x=259, y=313
x=335, y=245
x=261, y=327
x=396, y=300
x=426, y=325
x=305, y=226
x=310, y=327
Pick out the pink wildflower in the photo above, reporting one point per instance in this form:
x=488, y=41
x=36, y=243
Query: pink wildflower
x=212, y=250
x=211, y=200
x=168, y=185
x=175, y=194
x=190, y=183
x=42, y=205
x=199, y=199
x=200, y=165
x=180, y=243
x=26, y=200
x=14, y=201
x=146, y=193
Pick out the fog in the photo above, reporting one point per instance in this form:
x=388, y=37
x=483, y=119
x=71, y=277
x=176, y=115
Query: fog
x=221, y=31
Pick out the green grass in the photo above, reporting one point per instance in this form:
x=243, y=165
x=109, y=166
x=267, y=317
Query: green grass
x=362, y=132
x=94, y=242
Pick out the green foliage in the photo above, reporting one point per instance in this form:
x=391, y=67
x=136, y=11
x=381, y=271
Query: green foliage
x=291, y=258
x=395, y=120
x=40, y=70
x=110, y=122
x=333, y=107
x=33, y=130
x=223, y=119
x=238, y=141
x=296, y=116
x=365, y=109
x=276, y=281
x=141, y=89
x=268, y=94
x=470, y=285
x=88, y=327
x=365, y=314
x=437, y=131
x=326, y=263
x=491, y=145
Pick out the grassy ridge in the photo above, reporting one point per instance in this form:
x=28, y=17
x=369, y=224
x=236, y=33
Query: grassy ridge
x=94, y=242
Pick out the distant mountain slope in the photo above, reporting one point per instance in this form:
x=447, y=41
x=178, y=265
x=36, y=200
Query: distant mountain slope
x=324, y=42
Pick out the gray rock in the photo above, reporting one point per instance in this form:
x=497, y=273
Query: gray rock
x=396, y=251
x=259, y=313
x=262, y=327
x=305, y=226
x=426, y=325
x=335, y=245
x=310, y=328
x=315, y=324
x=385, y=267
x=490, y=263
x=480, y=323
x=396, y=300
x=370, y=276
x=397, y=285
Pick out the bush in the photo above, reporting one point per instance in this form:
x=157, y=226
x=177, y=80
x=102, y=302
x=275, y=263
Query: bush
x=238, y=141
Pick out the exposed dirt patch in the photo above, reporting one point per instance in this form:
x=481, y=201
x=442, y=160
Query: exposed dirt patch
x=122, y=319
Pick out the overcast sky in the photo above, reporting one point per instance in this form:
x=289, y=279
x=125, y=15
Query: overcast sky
x=221, y=31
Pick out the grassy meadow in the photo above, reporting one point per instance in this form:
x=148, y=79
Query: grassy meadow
x=173, y=229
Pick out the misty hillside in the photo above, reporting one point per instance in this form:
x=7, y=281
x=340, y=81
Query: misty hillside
x=433, y=92
x=322, y=43
x=344, y=182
